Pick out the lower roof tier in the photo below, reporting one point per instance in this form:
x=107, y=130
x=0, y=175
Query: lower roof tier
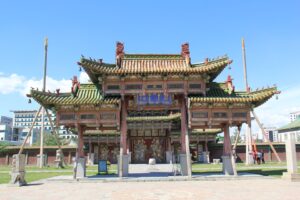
x=90, y=94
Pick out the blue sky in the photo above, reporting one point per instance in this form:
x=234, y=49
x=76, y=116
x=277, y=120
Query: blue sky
x=213, y=28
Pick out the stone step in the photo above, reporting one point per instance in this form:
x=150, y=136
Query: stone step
x=145, y=168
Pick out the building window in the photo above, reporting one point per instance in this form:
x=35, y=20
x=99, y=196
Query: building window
x=220, y=115
x=88, y=116
x=175, y=86
x=133, y=87
x=113, y=87
x=195, y=86
x=199, y=115
x=239, y=114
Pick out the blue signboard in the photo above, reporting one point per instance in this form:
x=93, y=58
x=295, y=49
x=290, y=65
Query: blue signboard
x=154, y=99
x=102, y=166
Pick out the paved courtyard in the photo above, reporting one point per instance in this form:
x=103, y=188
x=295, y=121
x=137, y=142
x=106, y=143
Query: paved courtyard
x=221, y=189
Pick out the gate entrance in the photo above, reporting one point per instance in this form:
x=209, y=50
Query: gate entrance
x=144, y=148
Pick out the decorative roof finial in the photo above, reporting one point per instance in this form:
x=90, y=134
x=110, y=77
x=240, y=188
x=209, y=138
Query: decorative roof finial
x=75, y=86
x=229, y=84
x=185, y=52
x=119, y=53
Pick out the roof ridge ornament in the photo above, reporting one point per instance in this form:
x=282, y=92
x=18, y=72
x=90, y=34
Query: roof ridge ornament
x=229, y=84
x=185, y=52
x=119, y=53
x=75, y=86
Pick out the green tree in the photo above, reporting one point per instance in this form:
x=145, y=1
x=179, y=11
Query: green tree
x=49, y=140
x=3, y=146
x=234, y=136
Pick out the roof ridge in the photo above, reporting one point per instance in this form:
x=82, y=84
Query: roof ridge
x=153, y=56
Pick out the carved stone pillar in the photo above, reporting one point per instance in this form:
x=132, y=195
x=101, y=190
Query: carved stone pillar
x=185, y=157
x=291, y=158
x=80, y=165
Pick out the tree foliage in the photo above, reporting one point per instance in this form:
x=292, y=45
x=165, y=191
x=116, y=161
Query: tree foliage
x=234, y=136
x=49, y=140
x=3, y=145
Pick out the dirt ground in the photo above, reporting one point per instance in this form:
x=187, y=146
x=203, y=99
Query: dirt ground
x=230, y=189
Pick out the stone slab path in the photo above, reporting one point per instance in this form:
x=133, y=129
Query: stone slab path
x=222, y=189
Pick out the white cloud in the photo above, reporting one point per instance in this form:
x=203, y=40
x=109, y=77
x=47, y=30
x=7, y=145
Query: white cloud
x=51, y=85
x=84, y=78
x=19, y=84
x=11, y=83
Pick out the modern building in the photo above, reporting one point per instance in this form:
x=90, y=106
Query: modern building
x=272, y=134
x=23, y=119
x=157, y=106
x=6, y=120
x=5, y=128
x=294, y=115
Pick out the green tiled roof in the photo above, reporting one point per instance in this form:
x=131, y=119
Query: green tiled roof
x=87, y=94
x=293, y=126
x=218, y=94
x=154, y=118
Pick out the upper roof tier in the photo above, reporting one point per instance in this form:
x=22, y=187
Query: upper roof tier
x=142, y=64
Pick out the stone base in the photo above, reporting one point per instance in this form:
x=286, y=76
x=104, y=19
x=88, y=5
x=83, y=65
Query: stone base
x=18, y=179
x=125, y=160
x=18, y=170
x=129, y=157
x=295, y=177
x=152, y=161
x=38, y=160
x=169, y=157
x=227, y=165
x=183, y=164
x=81, y=168
x=59, y=163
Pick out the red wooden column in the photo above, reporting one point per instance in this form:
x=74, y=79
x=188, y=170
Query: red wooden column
x=124, y=127
x=227, y=158
x=227, y=142
x=183, y=126
x=80, y=141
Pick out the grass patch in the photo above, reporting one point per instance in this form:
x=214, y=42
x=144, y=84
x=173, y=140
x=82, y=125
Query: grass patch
x=32, y=176
x=4, y=178
x=53, y=168
x=34, y=173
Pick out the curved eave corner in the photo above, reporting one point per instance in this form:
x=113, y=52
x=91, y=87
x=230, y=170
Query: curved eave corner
x=37, y=96
x=256, y=98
